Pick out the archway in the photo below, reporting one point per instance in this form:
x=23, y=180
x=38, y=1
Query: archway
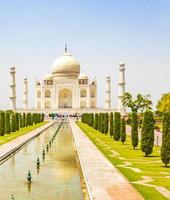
x=65, y=98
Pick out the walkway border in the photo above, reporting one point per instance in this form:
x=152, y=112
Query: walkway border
x=10, y=148
x=103, y=180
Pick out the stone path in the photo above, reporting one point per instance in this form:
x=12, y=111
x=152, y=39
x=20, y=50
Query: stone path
x=103, y=180
x=7, y=149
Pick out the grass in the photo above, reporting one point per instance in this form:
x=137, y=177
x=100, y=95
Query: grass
x=8, y=137
x=150, y=166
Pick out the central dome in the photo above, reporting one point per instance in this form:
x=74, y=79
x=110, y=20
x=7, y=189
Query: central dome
x=66, y=66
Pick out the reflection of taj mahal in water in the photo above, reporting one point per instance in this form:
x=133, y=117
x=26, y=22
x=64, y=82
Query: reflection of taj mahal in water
x=65, y=86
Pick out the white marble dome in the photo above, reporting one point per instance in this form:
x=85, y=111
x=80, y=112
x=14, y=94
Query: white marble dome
x=48, y=77
x=66, y=66
x=83, y=76
x=122, y=63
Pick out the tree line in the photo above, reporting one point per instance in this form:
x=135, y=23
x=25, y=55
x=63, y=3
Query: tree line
x=12, y=122
x=115, y=126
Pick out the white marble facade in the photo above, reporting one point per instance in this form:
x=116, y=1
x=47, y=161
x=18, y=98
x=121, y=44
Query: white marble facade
x=65, y=86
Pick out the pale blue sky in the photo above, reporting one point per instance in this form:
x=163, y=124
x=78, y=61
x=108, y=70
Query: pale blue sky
x=99, y=34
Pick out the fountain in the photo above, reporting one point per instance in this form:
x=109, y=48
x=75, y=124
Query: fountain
x=29, y=176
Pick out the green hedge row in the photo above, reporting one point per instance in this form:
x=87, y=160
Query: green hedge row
x=12, y=122
x=115, y=125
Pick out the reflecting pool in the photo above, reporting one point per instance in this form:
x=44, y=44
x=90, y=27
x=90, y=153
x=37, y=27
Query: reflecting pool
x=58, y=176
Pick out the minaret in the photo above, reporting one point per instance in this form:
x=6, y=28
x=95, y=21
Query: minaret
x=25, y=94
x=65, y=49
x=12, y=89
x=108, y=94
x=121, y=84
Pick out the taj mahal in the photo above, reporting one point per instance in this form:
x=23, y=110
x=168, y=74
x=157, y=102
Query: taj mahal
x=67, y=88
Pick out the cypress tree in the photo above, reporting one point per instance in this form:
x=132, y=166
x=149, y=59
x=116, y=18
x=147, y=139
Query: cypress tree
x=134, y=130
x=13, y=120
x=111, y=124
x=91, y=119
x=96, y=121
x=106, y=123
x=165, y=148
x=99, y=125
x=2, y=123
x=116, y=127
x=123, y=130
x=23, y=120
x=16, y=121
x=7, y=123
x=102, y=122
x=147, y=133
x=31, y=119
x=20, y=120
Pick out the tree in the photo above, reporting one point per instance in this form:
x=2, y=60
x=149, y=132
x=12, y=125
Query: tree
x=20, y=120
x=147, y=133
x=111, y=124
x=2, y=123
x=116, y=127
x=141, y=102
x=134, y=130
x=106, y=123
x=100, y=121
x=13, y=121
x=7, y=123
x=17, y=121
x=23, y=120
x=123, y=130
x=165, y=148
x=96, y=118
x=163, y=104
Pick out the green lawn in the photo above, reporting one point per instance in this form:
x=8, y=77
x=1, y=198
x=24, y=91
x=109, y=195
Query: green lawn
x=120, y=154
x=8, y=137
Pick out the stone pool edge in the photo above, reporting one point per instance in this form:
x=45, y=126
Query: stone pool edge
x=10, y=148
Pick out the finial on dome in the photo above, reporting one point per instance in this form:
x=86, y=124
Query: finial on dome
x=65, y=48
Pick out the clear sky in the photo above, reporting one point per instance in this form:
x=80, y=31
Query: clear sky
x=99, y=34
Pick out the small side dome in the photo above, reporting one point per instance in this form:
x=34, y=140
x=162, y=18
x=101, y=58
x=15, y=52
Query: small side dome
x=83, y=76
x=122, y=63
x=48, y=77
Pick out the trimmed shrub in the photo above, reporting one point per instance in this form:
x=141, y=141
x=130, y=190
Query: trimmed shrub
x=106, y=123
x=13, y=121
x=134, y=130
x=147, y=133
x=16, y=121
x=100, y=122
x=111, y=124
x=116, y=127
x=24, y=120
x=165, y=148
x=96, y=121
x=20, y=120
x=7, y=123
x=2, y=123
x=123, y=130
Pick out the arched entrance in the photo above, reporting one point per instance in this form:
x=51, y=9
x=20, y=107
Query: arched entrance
x=65, y=98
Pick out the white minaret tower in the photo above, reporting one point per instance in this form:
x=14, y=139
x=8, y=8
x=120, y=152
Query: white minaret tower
x=25, y=94
x=121, y=84
x=108, y=94
x=12, y=89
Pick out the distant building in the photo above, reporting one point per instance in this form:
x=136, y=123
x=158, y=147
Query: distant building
x=65, y=86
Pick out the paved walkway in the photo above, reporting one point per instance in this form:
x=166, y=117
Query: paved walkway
x=12, y=146
x=103, y=180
